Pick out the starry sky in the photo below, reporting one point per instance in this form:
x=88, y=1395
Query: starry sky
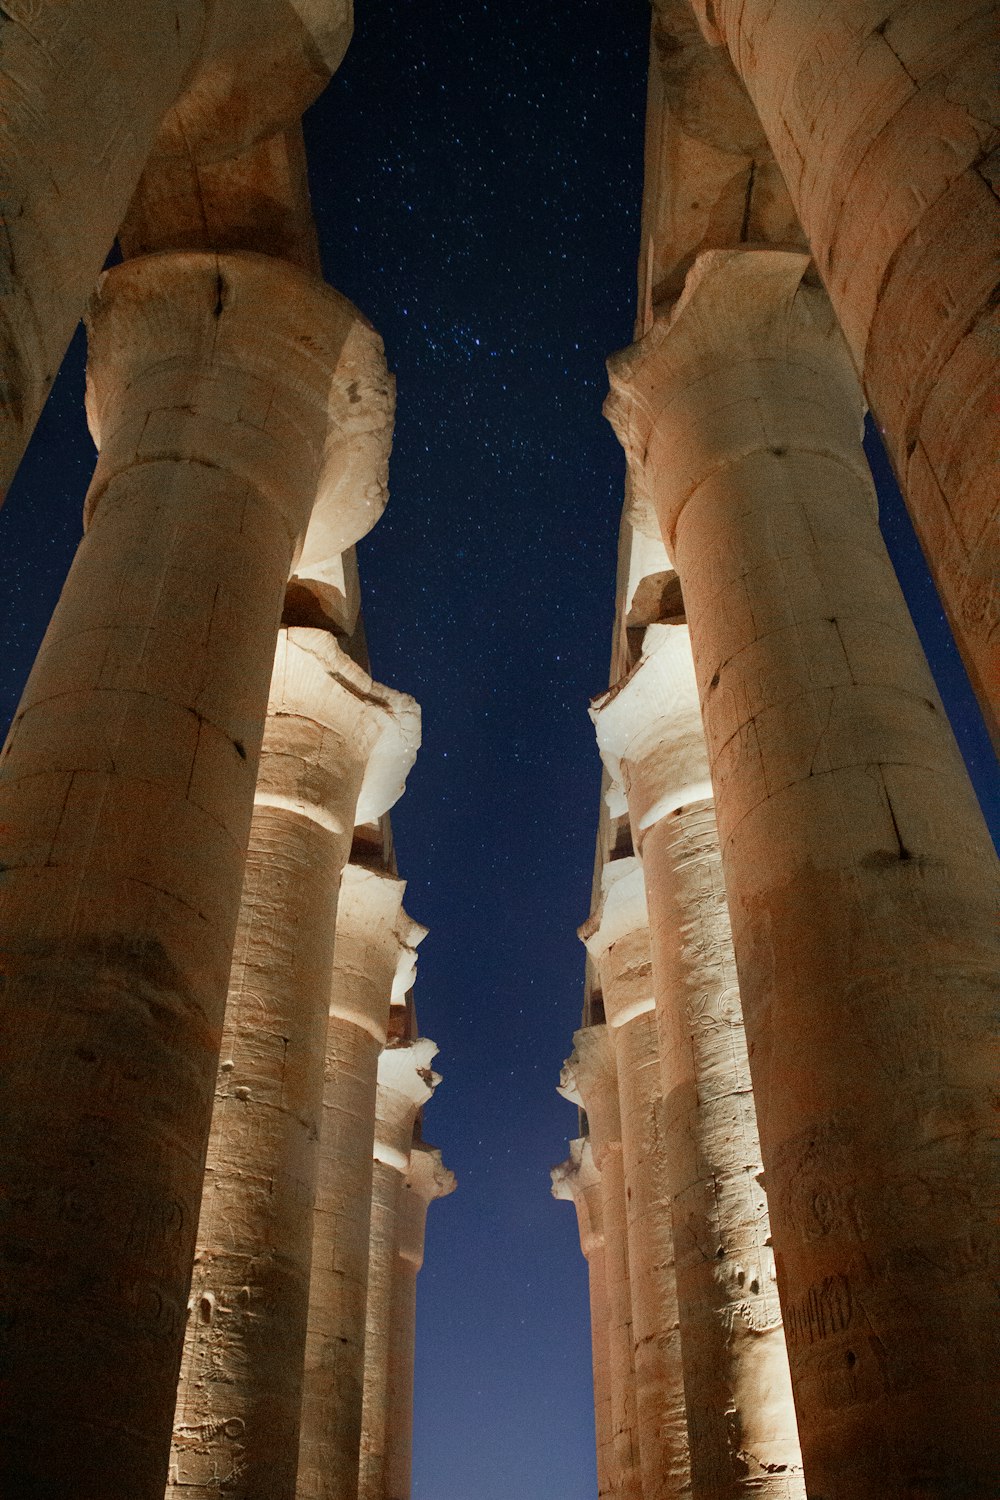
x=476, y=177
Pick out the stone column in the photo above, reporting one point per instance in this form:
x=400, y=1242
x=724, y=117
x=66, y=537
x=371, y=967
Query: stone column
x=426, y=1179
x=329, y=727
x=86, y=89
x=617, y=939
x=589, y=1080
x=862, y=885
x=885, y=124
x=739, y=1400
x=221, y=397
x=405, y=1082
x=578, y=1181
x=374, y=962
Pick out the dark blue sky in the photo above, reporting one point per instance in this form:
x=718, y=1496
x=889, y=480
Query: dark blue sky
x=476, y=174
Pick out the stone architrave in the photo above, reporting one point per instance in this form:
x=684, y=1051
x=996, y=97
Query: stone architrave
x=405, y=1083
x=578, y=1181
x=885, y=122
x=373, y=965
x=88, y=90
x=589, y=1080
x=329, y=728
x=227, y=395
x=862, y=885
x=740, y=1413
x=426, y=1179
x=617, y=939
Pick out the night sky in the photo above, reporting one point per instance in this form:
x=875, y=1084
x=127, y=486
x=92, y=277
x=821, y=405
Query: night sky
x=476, y=174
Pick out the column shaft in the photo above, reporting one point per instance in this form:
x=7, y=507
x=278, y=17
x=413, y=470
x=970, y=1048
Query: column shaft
x=860, y=878
x=884, y=121
x=338, y=1289
x=659, y=1377
x=126, y=792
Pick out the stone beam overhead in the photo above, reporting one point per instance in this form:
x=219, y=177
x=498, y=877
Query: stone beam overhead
x=236, y=1428
x=885, y=122
x=374, y=961
x=405, y=1083
x=711, y=180
x=739, y=1401
x=862, y=885
x=85, y=100
x=220, y=395
x=578, y=1181
x=426, y=1178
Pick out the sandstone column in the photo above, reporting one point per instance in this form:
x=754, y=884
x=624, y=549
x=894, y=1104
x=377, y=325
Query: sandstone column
x=85, y=86
x=739, y=1400
x=617, y=938
x=578, y=1181
x=426, y=1179
x=589, y=1080
x=374, y=961
x=885, y=123
x=329, y=728
x=405, y=1082
x=861, y=882
x=226, y=393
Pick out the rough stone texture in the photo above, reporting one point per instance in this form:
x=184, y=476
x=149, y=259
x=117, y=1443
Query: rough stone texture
x=374, y=962
x=617, y=938
x=589, y=1080
x=578, y=1181
x=126, y=789
x=861, y=881
x=740, y=1415
x=405, y=1083
x=81, y=99
x=884, y=117
x=426, y=1179
x=236, y=1428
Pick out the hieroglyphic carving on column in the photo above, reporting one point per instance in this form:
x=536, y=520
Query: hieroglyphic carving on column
x=589, y=1080
x=337, y=748
x=426, y=1178
x=617, y=938
x=886, y=125
x=374, y=965
x=220, y=393
x=739, y=1401
x=578, y=1181
x=862, y=886
x=405, y=1083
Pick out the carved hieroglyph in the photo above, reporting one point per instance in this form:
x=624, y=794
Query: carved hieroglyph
x=329, y=728
x=220, y=394
x=589, y=1080
x=374, y=964
x=861, y=882
x=739, y=1401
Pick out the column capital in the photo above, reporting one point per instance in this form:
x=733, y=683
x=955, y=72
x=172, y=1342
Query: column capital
x=650, y=733
x=589, y=1079
x=317, y=690
x=749, y=360
x=247, y=364
x=616, y=935
x=375, y=956
x=405, y=1083
x=578, y=1181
